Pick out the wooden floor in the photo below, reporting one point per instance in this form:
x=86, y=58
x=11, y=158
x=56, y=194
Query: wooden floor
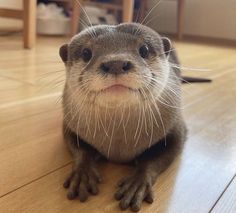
x=34, y=161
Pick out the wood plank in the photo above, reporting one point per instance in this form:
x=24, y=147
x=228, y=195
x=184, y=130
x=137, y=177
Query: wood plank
x=183, y=183
x=22, y=93
x=21, y=152
x=196, y=112
x=25, y=108
x=190, y=169
x=49, y=191
x=34, y=158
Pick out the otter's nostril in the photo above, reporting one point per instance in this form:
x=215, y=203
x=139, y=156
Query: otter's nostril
x=116, y=67
x=127, y=66
x=105, y=68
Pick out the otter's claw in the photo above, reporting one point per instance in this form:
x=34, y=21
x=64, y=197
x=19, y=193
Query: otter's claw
x=133, y=191
x=81, y=183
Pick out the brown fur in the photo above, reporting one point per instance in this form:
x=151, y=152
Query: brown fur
x=153, y=155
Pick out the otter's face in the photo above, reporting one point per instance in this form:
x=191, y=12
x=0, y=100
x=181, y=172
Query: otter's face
x=116, y=64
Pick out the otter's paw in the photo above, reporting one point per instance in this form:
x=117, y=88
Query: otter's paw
x=133, y=191
x=81, y=183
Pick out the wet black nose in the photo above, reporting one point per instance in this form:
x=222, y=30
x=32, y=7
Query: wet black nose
x=116, y=67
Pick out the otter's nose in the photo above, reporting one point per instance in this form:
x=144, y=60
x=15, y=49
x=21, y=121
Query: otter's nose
x=116, y=67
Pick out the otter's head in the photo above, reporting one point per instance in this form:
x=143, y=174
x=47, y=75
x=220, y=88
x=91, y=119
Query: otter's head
x=116, y=64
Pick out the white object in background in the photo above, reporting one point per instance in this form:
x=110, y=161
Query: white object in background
x=51, y=20
x=96, y=16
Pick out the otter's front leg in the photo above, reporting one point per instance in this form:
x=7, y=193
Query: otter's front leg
x=84, y=177
x=137, y=188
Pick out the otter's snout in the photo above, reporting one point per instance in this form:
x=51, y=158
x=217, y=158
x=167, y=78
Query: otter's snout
x=116, y=67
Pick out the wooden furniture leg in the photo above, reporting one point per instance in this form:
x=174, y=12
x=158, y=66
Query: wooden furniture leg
x=180, y=24
x=128, y=10
x=143, y=10
x=29, y=23
x=75, y=17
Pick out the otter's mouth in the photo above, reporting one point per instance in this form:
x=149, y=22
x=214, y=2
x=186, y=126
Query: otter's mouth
x=117, y=88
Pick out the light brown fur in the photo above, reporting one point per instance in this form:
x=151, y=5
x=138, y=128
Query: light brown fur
x=144, y=125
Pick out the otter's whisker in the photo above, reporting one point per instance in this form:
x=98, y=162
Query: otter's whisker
x=122, y=116
x=45, y=75
x=100, y=119
x=150, y=20
x=159, y=113
x=86, y=14
x=144, y=110
x=151, y=121
x=165, y=93
x=163, y=53
x=139, y=117
x=142, y=121
x=112, y=133
x=71, y=105
x=148, y=14
x=190, y=68
x=124, y=130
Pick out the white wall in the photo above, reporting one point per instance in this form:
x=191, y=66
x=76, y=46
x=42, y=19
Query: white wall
x=211, y=18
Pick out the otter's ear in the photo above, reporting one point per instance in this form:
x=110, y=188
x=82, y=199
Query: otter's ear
x=64, y=52
x=167, y=45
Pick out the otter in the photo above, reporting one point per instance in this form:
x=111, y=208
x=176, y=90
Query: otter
x=122, y=102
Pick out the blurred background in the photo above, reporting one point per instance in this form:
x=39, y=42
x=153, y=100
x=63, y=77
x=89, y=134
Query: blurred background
x=208, y=19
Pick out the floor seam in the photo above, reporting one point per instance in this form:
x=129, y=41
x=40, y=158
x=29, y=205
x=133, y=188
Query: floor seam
x=34, y=180
x=222, y=193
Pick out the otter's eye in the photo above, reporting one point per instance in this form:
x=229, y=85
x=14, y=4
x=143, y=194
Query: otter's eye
x=144, y=51
x=86, y=54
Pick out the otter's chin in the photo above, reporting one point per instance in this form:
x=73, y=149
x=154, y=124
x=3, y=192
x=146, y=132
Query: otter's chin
x=116, y=97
